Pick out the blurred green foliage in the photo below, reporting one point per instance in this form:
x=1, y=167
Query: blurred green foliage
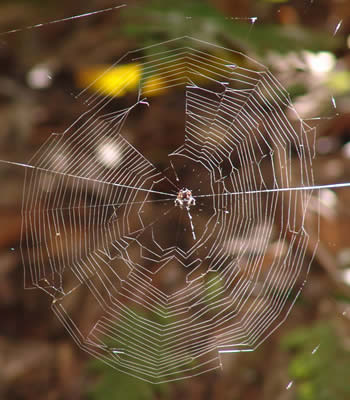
x=213, y=288
x=275, y=1
x=158, y=20
x=320, y=363
x=114, y=385
x=340, y=81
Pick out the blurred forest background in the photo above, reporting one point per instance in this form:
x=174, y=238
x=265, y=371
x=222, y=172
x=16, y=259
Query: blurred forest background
x=306, y=45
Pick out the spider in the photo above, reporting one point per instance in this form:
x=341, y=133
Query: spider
x=185, y=199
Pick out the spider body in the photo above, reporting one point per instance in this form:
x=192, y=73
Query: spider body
x=185, y=199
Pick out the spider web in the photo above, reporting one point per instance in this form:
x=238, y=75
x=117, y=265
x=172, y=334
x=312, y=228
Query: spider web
x=173, y=288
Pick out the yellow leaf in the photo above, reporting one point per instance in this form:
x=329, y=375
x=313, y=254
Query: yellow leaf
x=114, y=82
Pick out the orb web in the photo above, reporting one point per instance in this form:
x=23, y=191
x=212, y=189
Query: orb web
x=172, y=288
